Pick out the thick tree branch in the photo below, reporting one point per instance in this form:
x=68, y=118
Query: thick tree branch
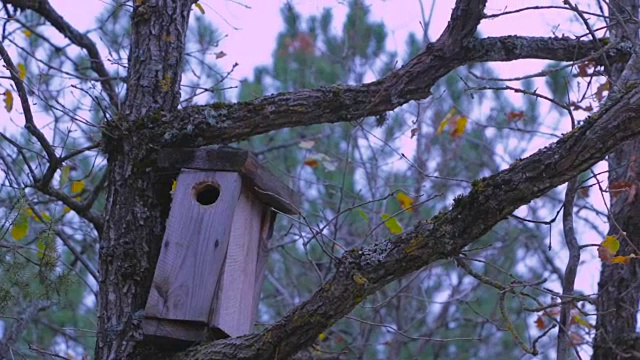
x=490, y=200
x=224, y=123
x=44, y=9
x=462, y=26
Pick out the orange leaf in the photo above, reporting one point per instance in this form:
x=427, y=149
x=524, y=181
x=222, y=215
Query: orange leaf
x=77, y=186
x=582, y=68
x=616, y=188
x=603, y=254
x=620, y=260
x=540, y=323
x=584, y=192
x=311, y=162
x=601, y=89
x=405, y=201
x=515, y=115
x=461, y=124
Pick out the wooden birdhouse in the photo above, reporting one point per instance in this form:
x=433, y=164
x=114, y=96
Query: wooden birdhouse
x=211, y=267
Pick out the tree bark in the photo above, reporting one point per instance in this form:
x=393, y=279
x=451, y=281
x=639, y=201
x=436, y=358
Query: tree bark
x=619, y=285
x=138, y=194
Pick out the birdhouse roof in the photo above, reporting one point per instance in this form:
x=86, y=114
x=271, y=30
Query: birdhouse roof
x=263, y=183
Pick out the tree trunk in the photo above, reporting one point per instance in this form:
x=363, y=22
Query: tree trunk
x=619, y=285
x=138, y=194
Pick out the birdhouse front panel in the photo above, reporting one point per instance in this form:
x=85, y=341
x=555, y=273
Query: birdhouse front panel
x=194, y=246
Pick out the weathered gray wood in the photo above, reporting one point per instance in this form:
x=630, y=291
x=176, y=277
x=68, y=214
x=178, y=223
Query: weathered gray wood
x=234, y=308
x=193, y=249
x=266, y=186
x=266, y=230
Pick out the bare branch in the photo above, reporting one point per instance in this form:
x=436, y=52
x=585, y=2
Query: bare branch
x=44, y=9
x=571, y=270
x=29, y=123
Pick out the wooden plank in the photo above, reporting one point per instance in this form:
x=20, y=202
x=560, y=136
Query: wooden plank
x=268, y=188
x=193, y=249
x=266, y=231
x=204, y=158
x=234, y=309
x=182, y=332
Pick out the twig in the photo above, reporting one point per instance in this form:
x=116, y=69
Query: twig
x=571, y=270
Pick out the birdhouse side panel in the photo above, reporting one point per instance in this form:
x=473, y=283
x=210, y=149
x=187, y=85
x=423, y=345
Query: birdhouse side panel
x=266, y=231
x=234, y=307
x=194, y=247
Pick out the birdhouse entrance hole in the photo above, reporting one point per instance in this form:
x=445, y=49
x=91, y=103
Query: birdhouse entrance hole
x=206, y=193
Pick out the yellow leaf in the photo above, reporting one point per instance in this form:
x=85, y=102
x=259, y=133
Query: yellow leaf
x=363, y=214
x=580, y=320
x=359, y=279
x=26, y=32
x=8, y=100
x=405, y=201
x=322, y=337
x=65, y=175
x=199, y=6
x=444, y=122
x=32, y=215
x=77, y=186
x=20, y=227
x=66, y=209
x=22, y=71
x=461, y=124
x=392, y=224
x=612, y=244
x=173, y=185
x=45, y=217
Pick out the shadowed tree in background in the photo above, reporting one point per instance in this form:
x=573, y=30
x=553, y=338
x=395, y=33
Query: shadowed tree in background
x=395, y=255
